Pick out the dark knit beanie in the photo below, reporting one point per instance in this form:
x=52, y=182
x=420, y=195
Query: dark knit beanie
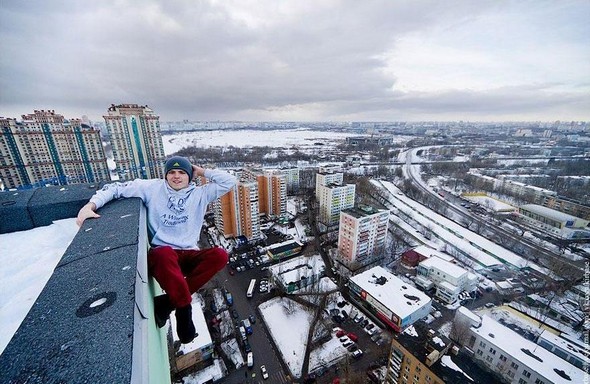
x=177, y=162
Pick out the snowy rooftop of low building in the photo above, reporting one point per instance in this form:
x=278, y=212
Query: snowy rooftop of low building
x=575, y=347
x=425, y=250
x=394, y=293
x=533, y=356
x=548, y=212
x=445, y=266
x=467, y=313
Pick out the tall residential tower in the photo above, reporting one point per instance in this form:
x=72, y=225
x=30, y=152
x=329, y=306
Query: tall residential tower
x=47, y=149
x=134, y=132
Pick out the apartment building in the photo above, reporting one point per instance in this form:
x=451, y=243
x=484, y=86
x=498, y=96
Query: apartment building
x=237, y=212
x=135, y=136
x=47, y=149
x=333, y=199
x=362, y=234
x=449, y=279
x=272, y=191
x=291, y=178
x=327, y=176
x=425, y=356
x=512, y=357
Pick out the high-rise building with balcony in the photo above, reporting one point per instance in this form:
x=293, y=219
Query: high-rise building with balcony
x=237, y=212
x=292, y=178
x=327, y=177
x=47, y=149
x=362, y=234
x=135, y=136
x=333, y=199
x=272, y=191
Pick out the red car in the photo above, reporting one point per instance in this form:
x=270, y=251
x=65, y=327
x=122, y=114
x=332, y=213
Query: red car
x=340, y=333
x=352, y=336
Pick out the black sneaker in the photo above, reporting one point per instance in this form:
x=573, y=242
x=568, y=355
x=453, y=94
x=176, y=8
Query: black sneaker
x=184, y=324
x=162, y=309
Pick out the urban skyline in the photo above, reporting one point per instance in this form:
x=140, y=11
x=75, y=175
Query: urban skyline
x=299, y=61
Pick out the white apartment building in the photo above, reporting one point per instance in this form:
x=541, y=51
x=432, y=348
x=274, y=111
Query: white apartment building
x=291, y=178
x=324, y=178
x=333, y=199
x=448, y=278
x=362, y=234
x=135, y=136
x=511, y=356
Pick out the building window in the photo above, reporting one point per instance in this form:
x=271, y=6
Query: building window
x=539, y=381
x=526, y=373
x=492, y=351
x=522, y=381
x=482, y=344
x=514, y=365
x=502, y=357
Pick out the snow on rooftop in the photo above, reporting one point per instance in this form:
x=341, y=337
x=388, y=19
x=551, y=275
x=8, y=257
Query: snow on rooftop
x=203, y=338
x=527, y=352
x=428, y=251
x=467, y=313
x=550, y=213
x=491, y=203
x=575, y=347
x=448, y=362
x=27, y=261
x=400, y=297
x=443, y=265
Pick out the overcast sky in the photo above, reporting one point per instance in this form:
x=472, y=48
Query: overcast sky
x=298, y=60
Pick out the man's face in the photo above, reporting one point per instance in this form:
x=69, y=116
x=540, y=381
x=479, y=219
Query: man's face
x=177, y=179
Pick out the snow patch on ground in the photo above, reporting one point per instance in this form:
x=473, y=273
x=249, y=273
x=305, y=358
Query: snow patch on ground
x=288, y=321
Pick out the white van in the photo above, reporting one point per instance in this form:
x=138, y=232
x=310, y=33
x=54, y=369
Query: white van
x=243, y=332
x=250, y=360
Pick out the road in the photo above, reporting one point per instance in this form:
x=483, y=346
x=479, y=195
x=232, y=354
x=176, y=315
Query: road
x=490, y=230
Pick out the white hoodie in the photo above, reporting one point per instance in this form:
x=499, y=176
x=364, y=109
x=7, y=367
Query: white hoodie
x=175, y=218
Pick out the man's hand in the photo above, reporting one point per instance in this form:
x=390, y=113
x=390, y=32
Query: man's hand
x=86, y=212
x=198, y=171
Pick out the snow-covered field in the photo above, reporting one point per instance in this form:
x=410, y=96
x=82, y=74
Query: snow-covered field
x=287, y=138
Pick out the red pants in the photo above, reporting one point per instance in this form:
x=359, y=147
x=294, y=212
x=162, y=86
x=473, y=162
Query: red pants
x=182, y=272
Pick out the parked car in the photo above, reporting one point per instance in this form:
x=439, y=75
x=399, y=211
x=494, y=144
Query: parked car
x=359, y=318
x=344, y=339
x=352, y=347
x=247, y=347
x=250, y=359
x=234, y=314
x=357, y=354
x=340, y=333
x=263, y=372
x=373, y=331
x=352, y=336
x=346, y=344
x=252, y=319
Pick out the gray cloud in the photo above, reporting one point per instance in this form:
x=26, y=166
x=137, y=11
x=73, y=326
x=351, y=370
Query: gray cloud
x=267, y=61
